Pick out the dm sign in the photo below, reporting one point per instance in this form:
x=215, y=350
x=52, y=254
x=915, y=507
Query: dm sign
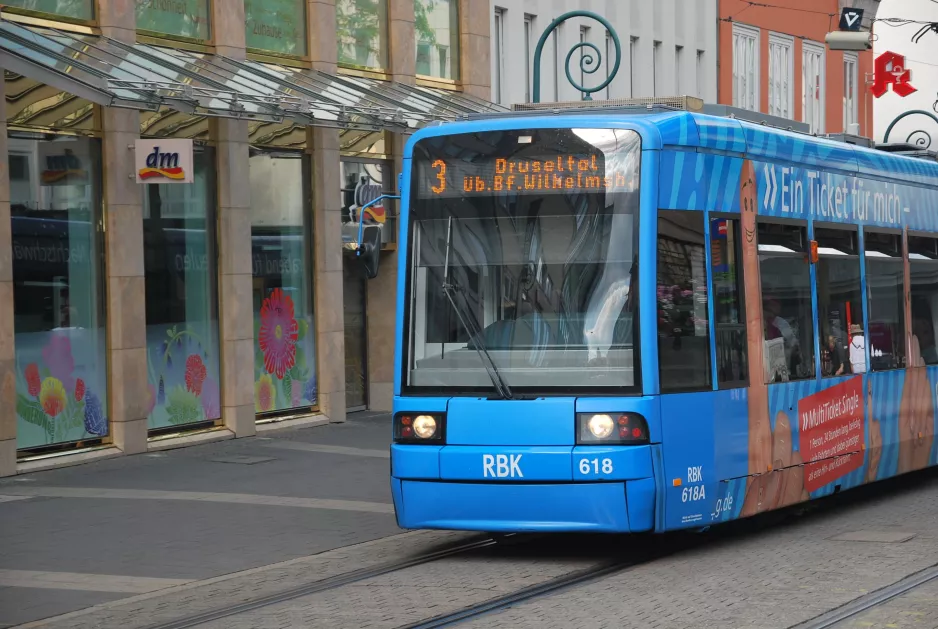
x=164, y=161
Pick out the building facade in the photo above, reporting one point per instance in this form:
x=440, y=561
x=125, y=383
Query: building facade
x=774, y=60
x=907, y=39
x=132, y=313
x=667, y=48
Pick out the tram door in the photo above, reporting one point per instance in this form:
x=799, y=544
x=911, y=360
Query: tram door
x=356, y=367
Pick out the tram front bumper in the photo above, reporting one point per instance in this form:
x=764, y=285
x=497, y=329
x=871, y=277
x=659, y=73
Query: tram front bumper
x=524, y=489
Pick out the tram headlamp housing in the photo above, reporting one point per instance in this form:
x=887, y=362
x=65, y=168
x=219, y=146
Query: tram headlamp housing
x=611, y=429
x=417, y=427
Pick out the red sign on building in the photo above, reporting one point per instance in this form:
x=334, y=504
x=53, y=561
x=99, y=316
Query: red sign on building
x=889, y=69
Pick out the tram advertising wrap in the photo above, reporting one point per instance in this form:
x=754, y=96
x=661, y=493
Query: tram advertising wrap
x=747, y=349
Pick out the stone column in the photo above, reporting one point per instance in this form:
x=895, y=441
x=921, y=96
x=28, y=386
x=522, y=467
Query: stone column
x=323, y=146
x=474, y=53
x=402, y=41
x=235, y=274
x=126, y=284
x=7, y=356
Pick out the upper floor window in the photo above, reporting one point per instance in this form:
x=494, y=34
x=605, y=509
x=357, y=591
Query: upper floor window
x=437, y=25
x=276, y=27
x=75, y=10
x=745, y=67
x=781, y=75
x=850, y=91
x=165, y=18
x=812, y=85
x=498, y=63
x=362, y=33
x=528, y=54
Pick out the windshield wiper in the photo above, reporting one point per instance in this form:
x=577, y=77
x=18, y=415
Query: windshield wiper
x=475, y=333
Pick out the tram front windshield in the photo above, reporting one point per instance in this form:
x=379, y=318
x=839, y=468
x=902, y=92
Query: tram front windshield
x=524, y=260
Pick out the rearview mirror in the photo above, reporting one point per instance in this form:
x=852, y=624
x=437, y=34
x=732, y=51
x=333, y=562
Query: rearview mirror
x=370, y=250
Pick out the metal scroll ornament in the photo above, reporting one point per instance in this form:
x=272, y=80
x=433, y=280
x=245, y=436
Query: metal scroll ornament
x=591, y=59
x=920, y=137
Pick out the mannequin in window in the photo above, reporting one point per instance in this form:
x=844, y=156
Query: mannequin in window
x=857, y=349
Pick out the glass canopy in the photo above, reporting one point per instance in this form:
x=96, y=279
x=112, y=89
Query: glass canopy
x=154, y=78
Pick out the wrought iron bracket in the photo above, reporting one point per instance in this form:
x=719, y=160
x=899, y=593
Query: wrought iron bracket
x=588, y=64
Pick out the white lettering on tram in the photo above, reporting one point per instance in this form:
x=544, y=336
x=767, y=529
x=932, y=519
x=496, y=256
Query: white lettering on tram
x=501, y=466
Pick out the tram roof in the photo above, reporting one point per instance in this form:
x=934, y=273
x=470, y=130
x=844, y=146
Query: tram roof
x=666, y=127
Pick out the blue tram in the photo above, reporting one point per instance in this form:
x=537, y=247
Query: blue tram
x=621, y=321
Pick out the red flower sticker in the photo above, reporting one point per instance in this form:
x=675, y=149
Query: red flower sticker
x=195, y=374
x=278, y=334
x=79, y=390
x=33, y=381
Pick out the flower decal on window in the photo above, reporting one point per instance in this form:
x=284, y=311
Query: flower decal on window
x=52, y=397
x=195, y=374
x=278, y=333
x=33, y=380
x=79, y=390
x=95, y=422
x=265, y=395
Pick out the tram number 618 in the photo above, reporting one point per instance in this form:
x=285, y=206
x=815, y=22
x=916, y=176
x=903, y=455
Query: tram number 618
x=595, y=466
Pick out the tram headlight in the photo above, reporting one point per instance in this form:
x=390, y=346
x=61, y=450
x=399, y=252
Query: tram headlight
x=611, y=428
x=601, y=425
x=419, y=427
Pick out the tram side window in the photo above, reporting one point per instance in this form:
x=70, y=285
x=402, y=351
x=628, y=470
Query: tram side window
x=884, y=285
x=923, y=267
x=683, y=320
x=788, y=324
x=838, y=292
x=729, y=312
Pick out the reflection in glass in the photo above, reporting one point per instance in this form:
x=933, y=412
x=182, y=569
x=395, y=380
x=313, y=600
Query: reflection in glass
x=536, y=233
x=923, y=267
x=838, y=291
x=786, y=303
x=354, y=286
x=884, y=284
x=58, y=315
x=437, y=25
x=284, y=351
x=729, y=308
x=277, y=26
x=362, y=33
x=179, y=18
x=82, y=10
x=683, y=322
x=363, y=182
x=181, y=299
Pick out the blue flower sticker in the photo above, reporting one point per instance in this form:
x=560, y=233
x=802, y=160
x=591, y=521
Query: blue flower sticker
x=95, y=421
x=309, y=391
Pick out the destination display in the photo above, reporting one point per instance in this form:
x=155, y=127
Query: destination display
x=556, y=174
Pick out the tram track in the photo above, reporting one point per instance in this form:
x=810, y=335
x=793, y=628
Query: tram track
x=870, y=601
x=322, y=585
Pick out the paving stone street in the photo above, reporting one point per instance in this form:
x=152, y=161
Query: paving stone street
x=138, y=541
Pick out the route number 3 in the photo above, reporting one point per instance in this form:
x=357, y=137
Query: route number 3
x=440, y=175
x=595, y=466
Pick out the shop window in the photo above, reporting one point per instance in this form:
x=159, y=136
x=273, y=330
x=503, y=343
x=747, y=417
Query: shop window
x=729, y=311
x=437, y=25
x=683, y=321
x=71, y=10
x=186, y=19
x=181, y=298
x=285, y=346
x=276, y=26
x=884, y=286
x=838, y=294
x=923, y=266
x=786, y=302
x=362, y=33
x=58, y=314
